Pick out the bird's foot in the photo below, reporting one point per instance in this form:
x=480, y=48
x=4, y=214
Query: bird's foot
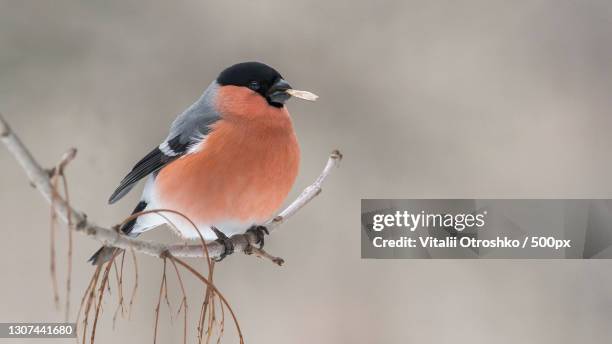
x=260, y=232
x=226, y=242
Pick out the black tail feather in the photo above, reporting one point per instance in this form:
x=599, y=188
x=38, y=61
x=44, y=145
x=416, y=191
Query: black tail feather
x=104, y=254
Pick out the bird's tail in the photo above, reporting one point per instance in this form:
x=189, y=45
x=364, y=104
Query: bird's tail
x=103, y=255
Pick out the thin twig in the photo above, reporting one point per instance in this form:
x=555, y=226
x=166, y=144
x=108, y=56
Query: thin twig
x=161, y=291
x=203, y=309
x=86, y=295
x=52, y=227
x=211, y=321
x=90, y=299
x=205, y=280
x=167, y=299
x=135, y=288
x=259, y=252
x=119, y=277
x=70, y=243
x=103, y=284
x=222, y=324
x=183, y=304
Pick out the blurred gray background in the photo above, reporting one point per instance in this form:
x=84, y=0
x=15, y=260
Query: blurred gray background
x=499, y=99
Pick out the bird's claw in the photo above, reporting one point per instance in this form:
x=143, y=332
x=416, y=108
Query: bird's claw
x=226, y=242
x=260, y=232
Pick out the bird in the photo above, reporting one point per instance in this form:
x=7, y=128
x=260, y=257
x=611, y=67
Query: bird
x=227, y=164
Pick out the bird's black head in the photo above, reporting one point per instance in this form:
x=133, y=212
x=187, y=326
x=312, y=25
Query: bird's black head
x=258, y=77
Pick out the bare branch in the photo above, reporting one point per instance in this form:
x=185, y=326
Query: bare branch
x=110, y=237
x=259, y=252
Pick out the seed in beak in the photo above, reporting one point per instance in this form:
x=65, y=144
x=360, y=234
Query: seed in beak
x=302, y=94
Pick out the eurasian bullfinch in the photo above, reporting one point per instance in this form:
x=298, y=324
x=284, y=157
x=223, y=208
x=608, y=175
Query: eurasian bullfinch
x=228, y=163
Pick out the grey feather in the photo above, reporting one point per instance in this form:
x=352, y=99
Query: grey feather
x=187, y=130
x=194, y=124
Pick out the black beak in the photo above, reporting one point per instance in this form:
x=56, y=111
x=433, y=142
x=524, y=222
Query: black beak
x=277, y=94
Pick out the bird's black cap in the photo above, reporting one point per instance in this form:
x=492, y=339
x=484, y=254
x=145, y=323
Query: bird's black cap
x=257, y=76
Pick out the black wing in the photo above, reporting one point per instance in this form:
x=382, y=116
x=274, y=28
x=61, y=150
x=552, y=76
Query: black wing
x=151, y=163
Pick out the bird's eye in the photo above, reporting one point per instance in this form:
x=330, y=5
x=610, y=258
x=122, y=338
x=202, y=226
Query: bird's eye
x=254, y=85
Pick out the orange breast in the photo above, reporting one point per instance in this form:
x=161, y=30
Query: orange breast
x=243, y=171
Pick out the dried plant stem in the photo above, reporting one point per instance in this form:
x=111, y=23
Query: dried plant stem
x=103, y=284
x=86, y=295
x=205, y=280
x=135, y=288
x=70, y=243
x=211, y=320
x=222, y=324
x=91, y=293
x=162, y=286
x=52, y=260
x=203, y=309
x=120, y=300
x=183, y=304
